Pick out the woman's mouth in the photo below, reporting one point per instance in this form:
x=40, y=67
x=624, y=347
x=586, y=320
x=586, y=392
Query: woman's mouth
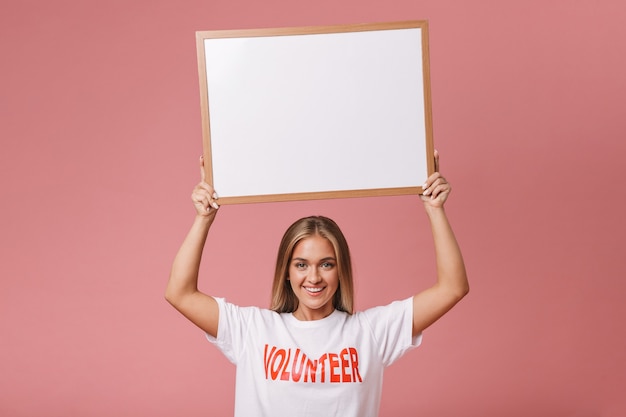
x=313, y=290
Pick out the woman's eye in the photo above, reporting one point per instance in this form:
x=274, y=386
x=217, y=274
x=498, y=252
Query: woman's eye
x=327, y=265
x=300, y=265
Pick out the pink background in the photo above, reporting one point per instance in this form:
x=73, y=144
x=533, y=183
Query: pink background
x=100, y=133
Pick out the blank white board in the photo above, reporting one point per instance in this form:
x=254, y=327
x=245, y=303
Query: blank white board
x=316, y=112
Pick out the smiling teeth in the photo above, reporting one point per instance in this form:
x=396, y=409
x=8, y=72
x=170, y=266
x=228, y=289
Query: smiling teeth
x=314, y=289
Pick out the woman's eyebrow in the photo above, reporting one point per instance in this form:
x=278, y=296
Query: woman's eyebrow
x=328, y=258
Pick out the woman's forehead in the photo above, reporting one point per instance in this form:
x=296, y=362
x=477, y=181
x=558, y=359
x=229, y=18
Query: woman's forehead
x=312, y=247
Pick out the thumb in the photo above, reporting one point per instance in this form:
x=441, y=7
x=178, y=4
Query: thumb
x=202, y=174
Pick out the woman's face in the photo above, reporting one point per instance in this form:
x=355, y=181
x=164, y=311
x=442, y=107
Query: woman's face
x=314, y=278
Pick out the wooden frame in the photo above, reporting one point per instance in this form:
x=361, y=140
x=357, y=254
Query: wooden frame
x=316, y=112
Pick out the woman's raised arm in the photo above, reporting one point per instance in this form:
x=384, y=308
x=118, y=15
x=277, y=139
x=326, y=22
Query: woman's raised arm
x=452, y=284
x=182, y=287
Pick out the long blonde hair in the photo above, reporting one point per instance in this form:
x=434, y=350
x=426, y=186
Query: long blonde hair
x=283, y=298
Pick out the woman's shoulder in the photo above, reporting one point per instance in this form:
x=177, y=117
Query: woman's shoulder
x=389, y=308
x=246, y=311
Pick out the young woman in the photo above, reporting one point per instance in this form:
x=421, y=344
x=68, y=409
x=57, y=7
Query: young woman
x=310, y=354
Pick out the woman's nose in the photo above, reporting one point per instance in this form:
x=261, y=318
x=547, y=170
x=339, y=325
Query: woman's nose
x=315, y=276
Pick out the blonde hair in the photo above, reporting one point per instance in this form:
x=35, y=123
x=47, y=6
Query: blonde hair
x=283, y=298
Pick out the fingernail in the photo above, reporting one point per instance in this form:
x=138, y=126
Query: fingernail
x=215, y=195
x=215, y=205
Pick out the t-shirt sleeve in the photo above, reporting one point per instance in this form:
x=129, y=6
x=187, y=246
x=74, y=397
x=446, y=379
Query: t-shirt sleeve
x=230, y=330
x=392, y=327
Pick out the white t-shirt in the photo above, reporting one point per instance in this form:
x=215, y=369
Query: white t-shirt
x=328, y=367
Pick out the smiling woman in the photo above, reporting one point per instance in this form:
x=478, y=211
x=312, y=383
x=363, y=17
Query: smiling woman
x=311, y=338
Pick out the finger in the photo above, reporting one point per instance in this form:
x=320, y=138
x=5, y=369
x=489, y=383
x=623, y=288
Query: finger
x=432, y=182
x=440, y=189
x=213, y=201
x=204, y=192
x=207, y=189
x=436, y=154
x=210, y=192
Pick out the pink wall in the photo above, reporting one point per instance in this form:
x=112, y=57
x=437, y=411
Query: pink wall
x=100, y=134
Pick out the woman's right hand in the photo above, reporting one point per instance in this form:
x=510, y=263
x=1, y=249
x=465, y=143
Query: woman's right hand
x=204, y=196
